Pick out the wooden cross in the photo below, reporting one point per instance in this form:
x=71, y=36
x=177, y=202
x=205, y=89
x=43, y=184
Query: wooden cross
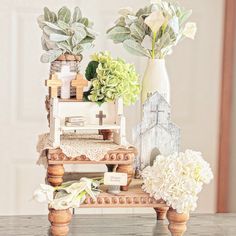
x=101, y=116
x=53, y=84
x=79, y=83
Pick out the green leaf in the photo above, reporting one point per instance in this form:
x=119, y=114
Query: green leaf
x=77, y=26
x=58, y=37
x=77, y=50
x=91, y=33
x=50, y=44
x=86, y=46
x=119, y=34
x=52, y=25
x=48, y=30
x=77, y=14
x=40, y=21
x=120, y=21
x=90, y=72
x=87, y=40
x=79, y=35
x=64, y=14
x=84, y=21
x=65, y=46
x=64, y=26
x=138, y=31
x=165, y=40
x=135, y=48
x=184, y=16
x=44, y=44
x=50, y=56
x=49, y=16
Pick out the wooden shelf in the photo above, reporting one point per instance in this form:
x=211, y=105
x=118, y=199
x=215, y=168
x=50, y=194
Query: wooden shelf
x=134, y=197
x=69, y=100
x=91, y=127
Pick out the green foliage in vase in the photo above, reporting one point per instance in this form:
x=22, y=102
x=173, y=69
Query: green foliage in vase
x=112, y=79
x=154, y=30
x=64, y=32
x=91, y=69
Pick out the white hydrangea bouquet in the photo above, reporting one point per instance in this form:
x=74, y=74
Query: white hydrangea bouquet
x=177, y=179
x=69, y=195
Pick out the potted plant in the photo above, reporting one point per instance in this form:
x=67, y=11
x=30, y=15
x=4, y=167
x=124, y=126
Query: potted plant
x=152, y=32
x=111, y=79
x=64, y=38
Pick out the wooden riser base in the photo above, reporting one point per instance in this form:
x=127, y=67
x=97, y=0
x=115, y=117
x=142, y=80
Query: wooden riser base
x=134, y=197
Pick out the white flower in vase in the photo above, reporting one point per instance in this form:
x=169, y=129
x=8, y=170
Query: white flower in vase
x=190, y=30
x=155, y=20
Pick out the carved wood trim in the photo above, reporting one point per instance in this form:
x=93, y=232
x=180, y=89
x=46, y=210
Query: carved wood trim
x=119, y=156
x=113, y=201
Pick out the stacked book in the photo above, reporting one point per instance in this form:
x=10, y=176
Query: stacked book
x=75, y=121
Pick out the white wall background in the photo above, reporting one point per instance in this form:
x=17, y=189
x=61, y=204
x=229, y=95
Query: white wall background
x=194, y=68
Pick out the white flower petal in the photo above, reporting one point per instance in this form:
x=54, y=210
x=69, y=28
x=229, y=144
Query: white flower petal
x=155, y=20
x=190, y=30
x=177, y=179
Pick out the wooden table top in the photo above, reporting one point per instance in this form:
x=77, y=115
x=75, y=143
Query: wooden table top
x=119, y=225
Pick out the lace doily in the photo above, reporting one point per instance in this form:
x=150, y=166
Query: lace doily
x=73, y=145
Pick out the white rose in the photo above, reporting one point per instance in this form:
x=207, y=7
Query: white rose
x=155, y=20
x=190, y=30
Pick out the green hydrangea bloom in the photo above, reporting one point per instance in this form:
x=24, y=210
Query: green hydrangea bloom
x=114, y=79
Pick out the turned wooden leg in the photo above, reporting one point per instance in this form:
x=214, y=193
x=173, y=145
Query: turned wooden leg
x=161, y=212
x=60, y=220
x=130, y=172
x=55, y=174
x=177, y=222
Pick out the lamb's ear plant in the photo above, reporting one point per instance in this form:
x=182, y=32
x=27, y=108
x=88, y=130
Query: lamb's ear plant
x=65, y=33
x=154, y=30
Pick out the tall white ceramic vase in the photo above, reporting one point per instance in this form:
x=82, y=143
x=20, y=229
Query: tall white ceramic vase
x=156, y=79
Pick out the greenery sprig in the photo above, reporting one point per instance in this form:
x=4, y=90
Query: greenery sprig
x=64, y=32
x=154, y=30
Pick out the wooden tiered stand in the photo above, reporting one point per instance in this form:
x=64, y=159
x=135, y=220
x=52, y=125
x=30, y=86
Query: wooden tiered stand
x=120, y=160
x=131, y=195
